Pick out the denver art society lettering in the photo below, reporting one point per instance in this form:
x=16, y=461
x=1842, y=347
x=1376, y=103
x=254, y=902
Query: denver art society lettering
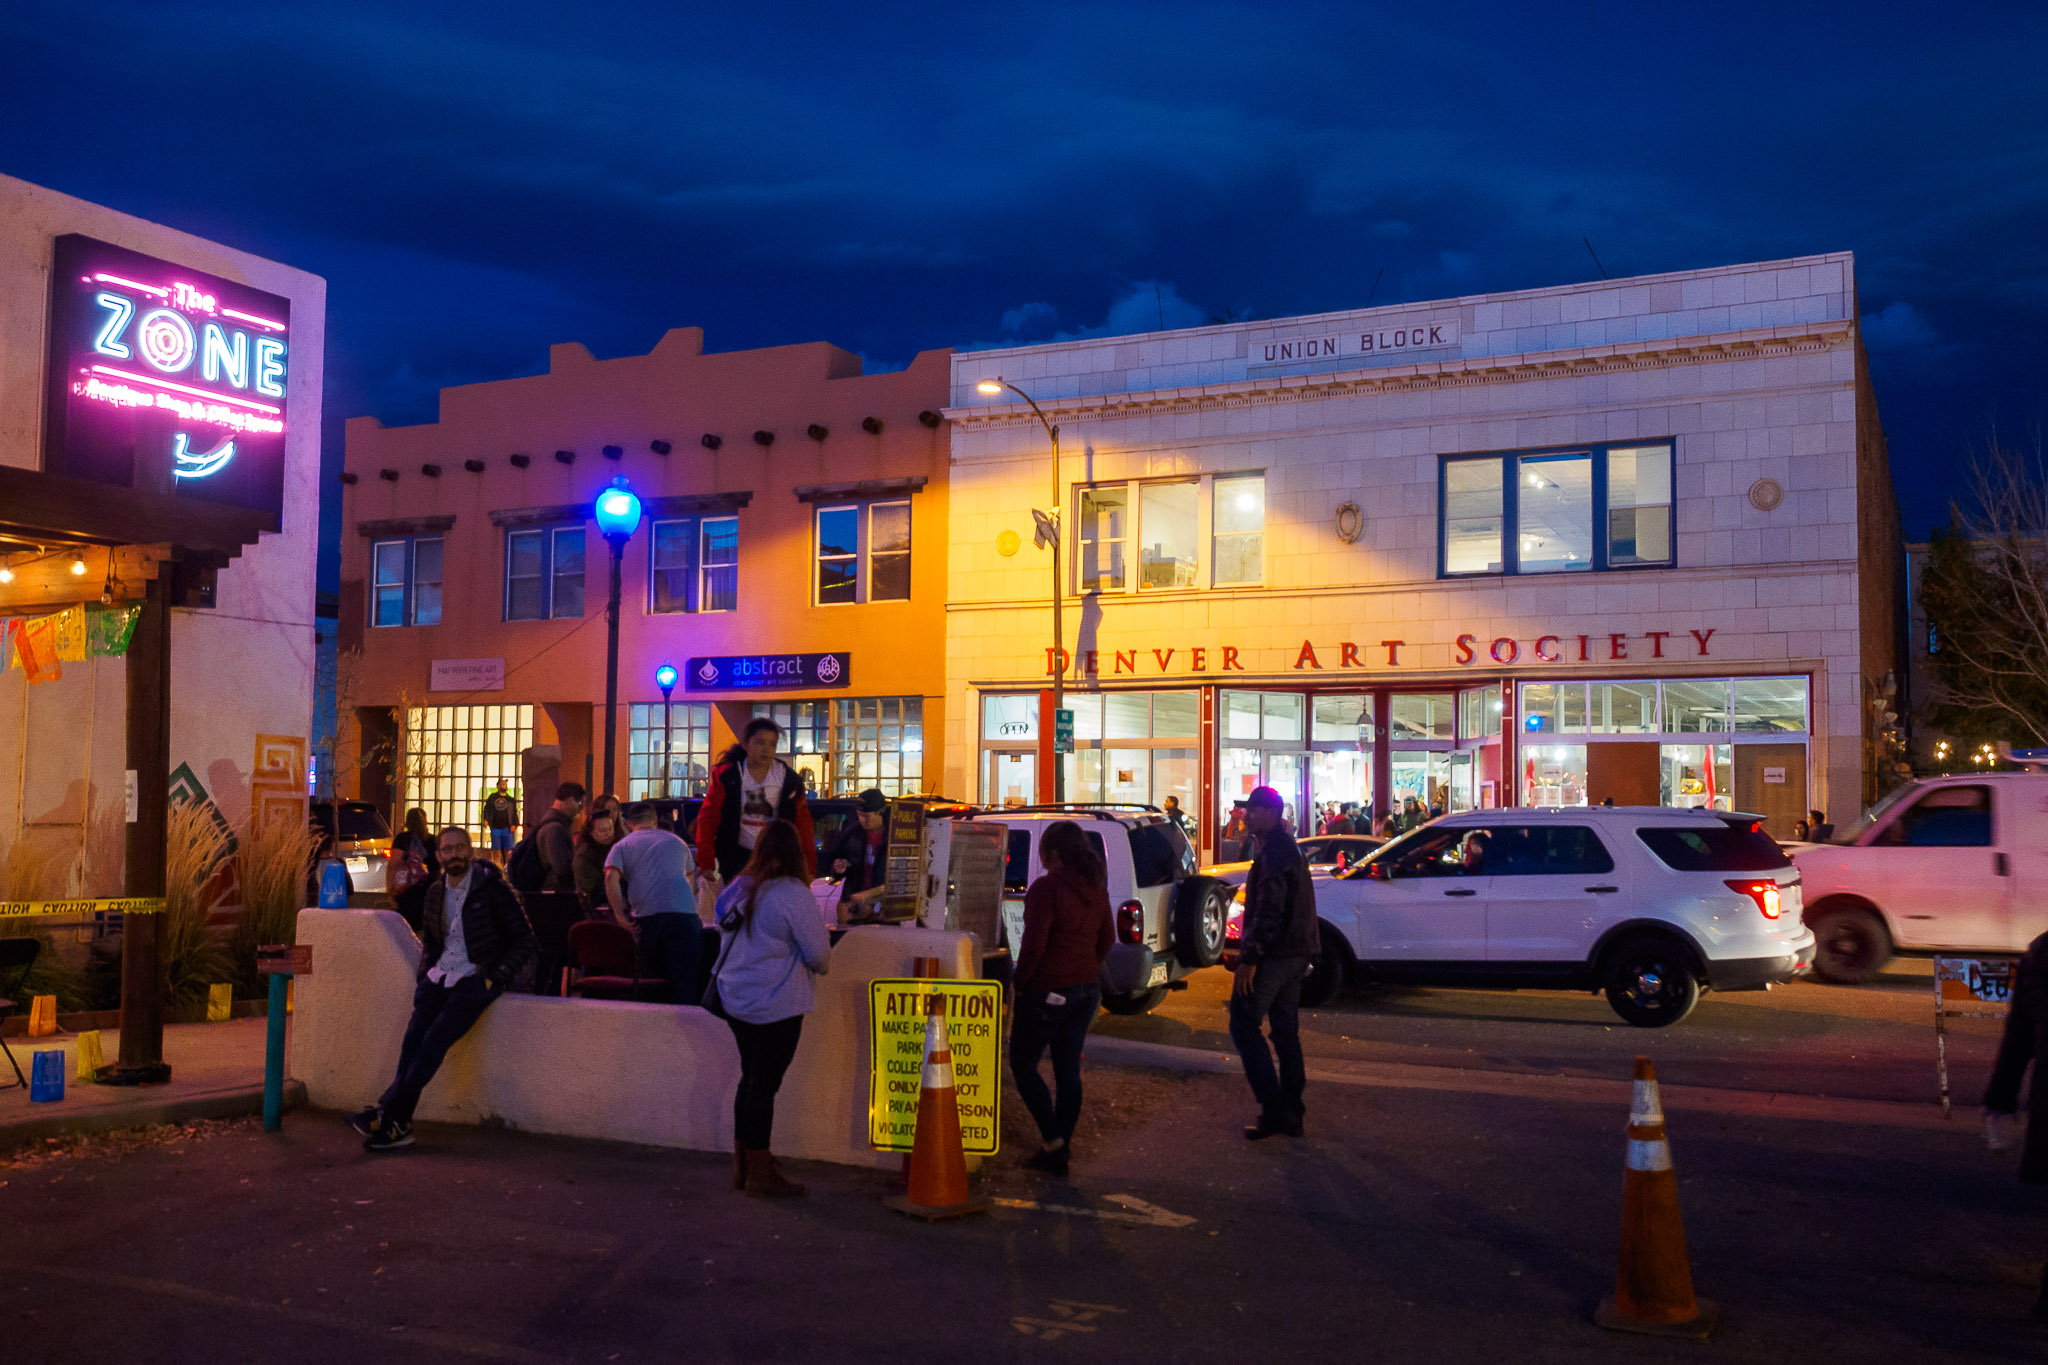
x=1468, y=650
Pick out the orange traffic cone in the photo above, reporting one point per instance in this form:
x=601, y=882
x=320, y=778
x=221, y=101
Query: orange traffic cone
x=938, y=1166
x=1653, y=1289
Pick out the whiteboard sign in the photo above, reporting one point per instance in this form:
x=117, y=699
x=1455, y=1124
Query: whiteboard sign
x=1774, y=776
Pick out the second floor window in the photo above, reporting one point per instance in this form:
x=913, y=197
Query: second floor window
x=864, y=552
x=405, y=582
x=544, y=573
x=1174, y=519
x=1569, y=511
x=696, y=565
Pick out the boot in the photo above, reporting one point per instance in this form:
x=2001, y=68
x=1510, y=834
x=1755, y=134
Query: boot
x=764, y=1181
x=739, y=1166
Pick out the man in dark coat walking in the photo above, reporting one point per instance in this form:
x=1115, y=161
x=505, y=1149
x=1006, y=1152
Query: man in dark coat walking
x=474, y=938
x=2025, y=1041
x=1276, y=945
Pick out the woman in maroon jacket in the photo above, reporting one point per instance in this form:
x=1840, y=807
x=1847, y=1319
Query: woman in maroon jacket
x=1067, y=934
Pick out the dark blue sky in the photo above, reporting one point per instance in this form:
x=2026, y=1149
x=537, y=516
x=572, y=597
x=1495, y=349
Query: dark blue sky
x=477, y=180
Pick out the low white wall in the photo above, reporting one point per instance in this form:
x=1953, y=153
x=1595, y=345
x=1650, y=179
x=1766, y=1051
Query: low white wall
x=657, y=1074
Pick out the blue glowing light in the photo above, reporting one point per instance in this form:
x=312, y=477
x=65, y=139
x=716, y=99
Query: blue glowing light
x=187, y=465
x=665, y=677
x=119, y=311
x=618, y=509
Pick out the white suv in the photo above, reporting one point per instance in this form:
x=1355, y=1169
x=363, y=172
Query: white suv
x=1169, y=918
x=1647, y=903
x=1948, y=863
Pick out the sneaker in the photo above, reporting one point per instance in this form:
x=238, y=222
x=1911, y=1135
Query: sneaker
x=365, y=1120
x=390, y=1136
x=1265, y=1128
x=1053, y=1162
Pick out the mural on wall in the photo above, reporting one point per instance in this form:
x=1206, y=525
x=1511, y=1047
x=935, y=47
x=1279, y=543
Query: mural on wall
x=277, y=780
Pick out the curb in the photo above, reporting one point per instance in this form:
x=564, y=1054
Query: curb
x=239, y=1102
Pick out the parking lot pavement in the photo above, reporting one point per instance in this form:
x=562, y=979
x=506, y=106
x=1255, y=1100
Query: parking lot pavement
x=1410, y=1225
x=1871, y=1042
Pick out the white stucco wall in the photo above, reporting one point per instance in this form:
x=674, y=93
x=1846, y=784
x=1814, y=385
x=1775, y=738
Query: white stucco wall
x=242, y=668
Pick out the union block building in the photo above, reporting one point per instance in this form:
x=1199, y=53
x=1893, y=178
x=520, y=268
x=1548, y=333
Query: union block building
x=1632, y=540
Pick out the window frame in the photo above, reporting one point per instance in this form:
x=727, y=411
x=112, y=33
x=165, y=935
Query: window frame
x=408, y=584
x=864, y=553
x=549, y=534
x=696, y=568
x=1204, y=536
x=1509, y=462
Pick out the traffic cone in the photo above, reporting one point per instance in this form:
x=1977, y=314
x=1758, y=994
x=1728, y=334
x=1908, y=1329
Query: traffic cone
x=938, y=1166
x=1653, y=1288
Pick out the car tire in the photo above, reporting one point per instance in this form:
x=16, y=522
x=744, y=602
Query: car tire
x=1850, y=945
x=1651, y=982
x=1327, y=970
x=1200, y=915
x=1139, y=1002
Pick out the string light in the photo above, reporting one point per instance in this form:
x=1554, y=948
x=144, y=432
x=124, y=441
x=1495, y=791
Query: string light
x=78, y=564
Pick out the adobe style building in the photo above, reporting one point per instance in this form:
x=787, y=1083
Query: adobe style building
x=1632, y=540
x=790, y=561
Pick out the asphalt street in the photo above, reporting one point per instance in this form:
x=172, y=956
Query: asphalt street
x=1874, y=1041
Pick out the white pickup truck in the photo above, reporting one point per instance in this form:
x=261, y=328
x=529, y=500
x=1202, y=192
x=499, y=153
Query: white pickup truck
x=1943, y=864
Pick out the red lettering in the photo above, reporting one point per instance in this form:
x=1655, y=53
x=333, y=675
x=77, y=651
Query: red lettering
x=1349, y=658
x=1514, y=650
x=1617, y=646
x=1230, y=659
x=1551, y=657
x=1066, y=661
x=1127, y=663
x=1307, y=656
x=1165, y=658
x=1464, y=648
x=1656, y=642
x=1584, y=640
x=1200, y=660
x=1393, y=650
x=1703, y=639
x=1088, y=662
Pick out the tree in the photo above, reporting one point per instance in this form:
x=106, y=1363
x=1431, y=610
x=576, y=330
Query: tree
x=1985, y=592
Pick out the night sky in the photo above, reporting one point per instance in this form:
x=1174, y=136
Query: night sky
x=478, y=180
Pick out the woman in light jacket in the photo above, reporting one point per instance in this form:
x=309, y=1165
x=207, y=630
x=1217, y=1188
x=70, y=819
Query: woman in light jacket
x=773, y=941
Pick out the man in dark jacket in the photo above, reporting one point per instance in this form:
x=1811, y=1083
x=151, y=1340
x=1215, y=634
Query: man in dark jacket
x=473, y=940
x=750, y=789
x=2025, y=1041
x=1277, y=942
x=860, y=856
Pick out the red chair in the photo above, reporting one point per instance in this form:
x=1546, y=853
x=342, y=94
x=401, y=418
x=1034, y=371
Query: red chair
x=604, y=964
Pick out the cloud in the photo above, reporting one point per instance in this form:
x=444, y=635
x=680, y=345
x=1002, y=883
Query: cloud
x=1143, y=306
x=1898, y=326
x=1029, y=317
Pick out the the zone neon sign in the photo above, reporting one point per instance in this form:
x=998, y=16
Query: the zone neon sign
x=169, y=375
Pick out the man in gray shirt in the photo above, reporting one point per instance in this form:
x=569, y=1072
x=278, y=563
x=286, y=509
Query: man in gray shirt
x=650, y=880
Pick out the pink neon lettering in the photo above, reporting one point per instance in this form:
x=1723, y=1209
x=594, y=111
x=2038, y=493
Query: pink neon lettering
x=192, y=300
x=131, y=284
x=182, y=388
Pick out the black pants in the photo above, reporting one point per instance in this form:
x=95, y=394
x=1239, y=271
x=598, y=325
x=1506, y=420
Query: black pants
x=1275, y=999
x=765, y=1054
x=551, y=913
x=1063, y=1028
x=440, y=1016
x=670, y=946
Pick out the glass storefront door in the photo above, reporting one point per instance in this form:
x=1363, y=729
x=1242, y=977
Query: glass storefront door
x=1012, y=778
x=1288, y=775
x=1340, y=777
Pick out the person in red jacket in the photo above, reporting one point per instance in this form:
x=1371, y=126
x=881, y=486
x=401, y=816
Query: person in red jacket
x=1067, y=935
x=750, y=789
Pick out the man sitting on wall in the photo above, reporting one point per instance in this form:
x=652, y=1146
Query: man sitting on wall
x=750, y=788
x=473, y=940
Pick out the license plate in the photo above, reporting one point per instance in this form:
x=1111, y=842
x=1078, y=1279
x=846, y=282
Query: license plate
x=356, y=865
x=1158, y=977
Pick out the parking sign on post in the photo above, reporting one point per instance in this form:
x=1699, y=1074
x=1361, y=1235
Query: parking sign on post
x=1063, y=731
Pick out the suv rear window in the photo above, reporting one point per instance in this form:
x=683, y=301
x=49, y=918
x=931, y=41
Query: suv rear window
x=357, y=821
x=1017, y=866
x=1160, y=854
x=1714, y=848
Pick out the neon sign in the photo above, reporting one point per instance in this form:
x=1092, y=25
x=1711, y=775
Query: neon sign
x=166, y=378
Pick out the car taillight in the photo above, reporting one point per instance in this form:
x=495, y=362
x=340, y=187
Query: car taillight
x=1765, y=894
x=1130, y=922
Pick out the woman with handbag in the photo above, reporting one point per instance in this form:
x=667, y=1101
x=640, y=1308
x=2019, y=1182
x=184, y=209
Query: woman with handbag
x=773, y=942
x=413, y=867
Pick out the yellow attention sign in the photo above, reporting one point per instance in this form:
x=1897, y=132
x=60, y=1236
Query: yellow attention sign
x=974, y=1013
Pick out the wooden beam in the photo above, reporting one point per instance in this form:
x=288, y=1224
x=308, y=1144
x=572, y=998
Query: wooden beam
x=149, y=759
x=44, y=582
x=54, y=508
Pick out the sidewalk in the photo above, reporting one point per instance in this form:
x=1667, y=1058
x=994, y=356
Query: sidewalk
x=216, y=1072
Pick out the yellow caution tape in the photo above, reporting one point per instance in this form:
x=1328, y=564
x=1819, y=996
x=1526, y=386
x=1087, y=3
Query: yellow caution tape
x=126, y=905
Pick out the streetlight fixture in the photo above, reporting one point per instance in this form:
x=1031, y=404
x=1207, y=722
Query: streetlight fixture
x=665, y=679
x=618, y=516
x=1046, y=532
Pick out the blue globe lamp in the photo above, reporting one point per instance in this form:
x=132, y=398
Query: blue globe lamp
x=618, y=516
x=665, y=679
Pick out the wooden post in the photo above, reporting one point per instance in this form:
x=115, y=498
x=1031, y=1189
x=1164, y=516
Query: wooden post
x=149, y=755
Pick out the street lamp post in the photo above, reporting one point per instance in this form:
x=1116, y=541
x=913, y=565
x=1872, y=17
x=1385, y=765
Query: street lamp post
x=665, y=679
x=1047, y=533
x=618, y=514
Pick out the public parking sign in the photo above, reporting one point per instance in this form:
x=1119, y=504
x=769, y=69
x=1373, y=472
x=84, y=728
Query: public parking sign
x=973, y=1014
x=1063, y=731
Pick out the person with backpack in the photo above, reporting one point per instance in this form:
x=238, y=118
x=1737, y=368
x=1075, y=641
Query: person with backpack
x=774, y=943
x=499, y=808
x=542, y=869
x=750, y=789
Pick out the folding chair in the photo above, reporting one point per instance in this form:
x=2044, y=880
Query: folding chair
x=606, y=961
x=17, y=955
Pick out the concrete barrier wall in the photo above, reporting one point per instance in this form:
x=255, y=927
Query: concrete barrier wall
x=657, y=1074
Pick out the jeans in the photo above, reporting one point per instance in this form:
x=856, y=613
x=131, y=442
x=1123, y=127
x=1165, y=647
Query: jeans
x=765, y=1054
x=440, y=1016
x=1064, y=1028
x=669, y=949
x=1274, y=998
